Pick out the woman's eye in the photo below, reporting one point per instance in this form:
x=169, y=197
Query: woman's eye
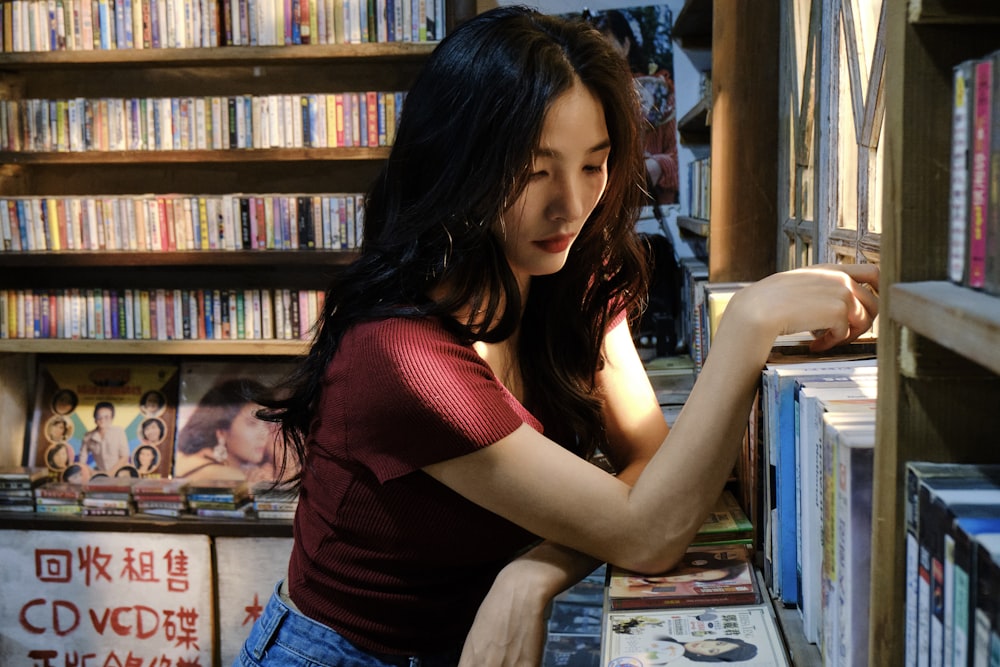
x=594, y=168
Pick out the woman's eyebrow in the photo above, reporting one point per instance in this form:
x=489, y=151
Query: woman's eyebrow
x=552, y=153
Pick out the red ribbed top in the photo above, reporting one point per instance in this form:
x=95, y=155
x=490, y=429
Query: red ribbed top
x=385, y=555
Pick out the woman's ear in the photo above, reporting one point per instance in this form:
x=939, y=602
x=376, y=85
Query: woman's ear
x=220, y=453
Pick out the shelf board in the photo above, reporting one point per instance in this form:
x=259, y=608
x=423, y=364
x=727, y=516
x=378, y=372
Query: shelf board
x=697, y=226
x=963, y=320
x=233, y=155
x=954, y=11
x=697, y=119
x=216, y=56
x=141, y=524
x=693, y=27
x=800, y=652
x=263, y=348
x=695, y=125
x=191, y=258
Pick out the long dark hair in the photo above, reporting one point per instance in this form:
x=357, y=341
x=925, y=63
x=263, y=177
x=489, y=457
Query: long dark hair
x=462, y=154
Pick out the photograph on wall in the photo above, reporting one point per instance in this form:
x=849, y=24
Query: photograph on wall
x=642, y=34
x=104, y=418
x=219, y=436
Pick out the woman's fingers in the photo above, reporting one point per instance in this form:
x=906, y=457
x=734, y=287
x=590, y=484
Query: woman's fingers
x=861, y=307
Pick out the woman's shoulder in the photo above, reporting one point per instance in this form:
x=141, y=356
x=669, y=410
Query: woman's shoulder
x=409, y=354
x=404, y=340
x=392, y=328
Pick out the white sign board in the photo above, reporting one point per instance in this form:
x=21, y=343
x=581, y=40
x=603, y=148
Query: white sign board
x=91, y=599
x=248, y=569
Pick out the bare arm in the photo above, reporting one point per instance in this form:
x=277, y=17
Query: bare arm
x=510, y=623
x=646, y=527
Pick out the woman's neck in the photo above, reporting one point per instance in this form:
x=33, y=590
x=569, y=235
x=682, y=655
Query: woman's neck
x=503, y=360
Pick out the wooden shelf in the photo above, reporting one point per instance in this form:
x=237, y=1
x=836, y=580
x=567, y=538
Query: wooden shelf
x=693, y=26
x=800, y=652
x=698, y=226
x=694, y=126
x=217, y=56
x=243, y=348
x=960, y=319
x=954, y=11
x=190, y=258
x=140, y=524
x=240, y=155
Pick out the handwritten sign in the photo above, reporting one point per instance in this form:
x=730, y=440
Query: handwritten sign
x=248, y=569
x=105, y=599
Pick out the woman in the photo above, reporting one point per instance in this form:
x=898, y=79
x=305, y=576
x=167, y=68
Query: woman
x=59, y=429
x=146, y=459
x=478, y=351
x=152, y=403
x=59, y=456
x=152, y=431
x=223, y=439
x=665, y=650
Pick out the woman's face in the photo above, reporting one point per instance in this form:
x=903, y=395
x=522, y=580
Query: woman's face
x=146, y=457
x=58, y=430
x=60, y=457
x=248, y=438
x=151, y=432
x=568, y=177
x=710, y=647
x=152, y=403
x=694, y=574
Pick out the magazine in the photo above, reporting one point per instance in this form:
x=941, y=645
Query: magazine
x=104, y=418
x=707, y=575
x=747, y=635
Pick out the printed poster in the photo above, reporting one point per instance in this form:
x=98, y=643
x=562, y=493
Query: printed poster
x=82, y=598
x=219, y=436
x=104, y=418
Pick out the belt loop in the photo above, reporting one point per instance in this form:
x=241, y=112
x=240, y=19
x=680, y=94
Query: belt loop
x=269, y=628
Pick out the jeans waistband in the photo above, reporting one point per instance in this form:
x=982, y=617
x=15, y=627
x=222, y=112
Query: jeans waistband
x=281, y=622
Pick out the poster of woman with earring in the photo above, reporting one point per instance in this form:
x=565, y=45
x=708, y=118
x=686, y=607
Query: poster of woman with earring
x=219, y=436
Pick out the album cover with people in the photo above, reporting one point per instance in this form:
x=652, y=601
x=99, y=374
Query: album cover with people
x=94, y=419
x=709, y=574
x=747, y=635
x=219, y=436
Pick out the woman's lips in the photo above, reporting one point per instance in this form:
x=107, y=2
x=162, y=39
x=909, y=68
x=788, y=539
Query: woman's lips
x=555, y=244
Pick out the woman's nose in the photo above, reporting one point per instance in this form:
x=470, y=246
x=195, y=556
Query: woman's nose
x=566, y=202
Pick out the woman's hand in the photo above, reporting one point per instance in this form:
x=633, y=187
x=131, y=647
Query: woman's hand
x=509, y=629
x=837, y=302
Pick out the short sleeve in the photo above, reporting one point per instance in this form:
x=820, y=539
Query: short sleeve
x=414, y=395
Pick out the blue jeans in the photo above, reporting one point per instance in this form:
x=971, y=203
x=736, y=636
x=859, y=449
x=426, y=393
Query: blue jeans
x=284, y=637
